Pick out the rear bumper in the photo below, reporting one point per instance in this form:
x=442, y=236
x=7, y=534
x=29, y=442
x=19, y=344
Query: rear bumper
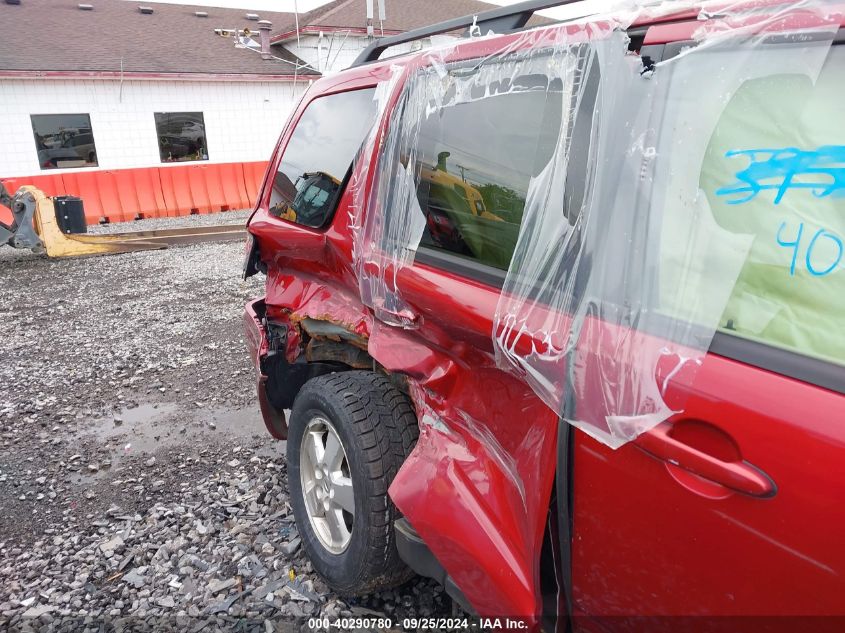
x=256, y=342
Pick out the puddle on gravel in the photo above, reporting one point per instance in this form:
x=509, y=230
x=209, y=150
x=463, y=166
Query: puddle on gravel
x=138, y=426
x=150, y=428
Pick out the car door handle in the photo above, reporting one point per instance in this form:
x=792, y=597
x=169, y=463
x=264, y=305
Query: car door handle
x=739, y=476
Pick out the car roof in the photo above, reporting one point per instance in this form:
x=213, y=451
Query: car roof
x=667, y=21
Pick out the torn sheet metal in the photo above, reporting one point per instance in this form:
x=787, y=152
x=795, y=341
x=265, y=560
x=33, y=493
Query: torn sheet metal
x=477, y=485
x=619, y=280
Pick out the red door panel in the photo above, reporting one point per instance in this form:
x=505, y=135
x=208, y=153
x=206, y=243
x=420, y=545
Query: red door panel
x=651, y=538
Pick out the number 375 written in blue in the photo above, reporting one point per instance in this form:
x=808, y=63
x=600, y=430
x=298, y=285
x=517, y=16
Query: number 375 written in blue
x=812, y=257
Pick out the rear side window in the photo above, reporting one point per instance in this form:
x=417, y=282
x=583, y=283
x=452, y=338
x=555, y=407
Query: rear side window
x=474, y=162
x=775, y=169
x=319, y=155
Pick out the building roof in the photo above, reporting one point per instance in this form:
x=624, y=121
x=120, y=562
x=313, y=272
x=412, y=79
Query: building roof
x=55, y=37
x=401, y=16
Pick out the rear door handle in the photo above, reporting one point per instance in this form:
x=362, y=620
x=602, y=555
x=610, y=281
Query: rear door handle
x=739, y=476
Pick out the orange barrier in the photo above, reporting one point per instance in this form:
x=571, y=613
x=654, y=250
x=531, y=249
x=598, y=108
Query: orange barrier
x=50, y=184
x=110, y=201
x=140, y=194
x=253, y=175
x=123, y=195
x=198, y=186
x=177, y=193
x=234, y=190
x=214, y=189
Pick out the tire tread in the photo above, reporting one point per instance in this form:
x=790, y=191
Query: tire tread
x=384, y=424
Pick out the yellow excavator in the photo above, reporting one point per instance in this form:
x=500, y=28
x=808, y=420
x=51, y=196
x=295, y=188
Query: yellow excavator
x=440, y=181
x=458, y=218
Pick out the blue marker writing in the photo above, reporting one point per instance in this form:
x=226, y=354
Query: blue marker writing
x=794, y=244
x=808, y=255
x=822, y=171
x=808, y=261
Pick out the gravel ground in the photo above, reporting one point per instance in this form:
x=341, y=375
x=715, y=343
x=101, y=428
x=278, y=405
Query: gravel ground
x=139, y=487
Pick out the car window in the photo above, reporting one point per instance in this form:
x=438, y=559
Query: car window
x=319, y=155
x=775, y=169
x=81, y=139
x=474, y=162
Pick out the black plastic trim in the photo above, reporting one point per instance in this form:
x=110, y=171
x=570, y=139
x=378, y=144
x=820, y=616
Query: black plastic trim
x=563, y=494
x=284, y=379
x=651, y=54
x=673, y=49
x=780, y=361
x=463, y=266
x=416, y=555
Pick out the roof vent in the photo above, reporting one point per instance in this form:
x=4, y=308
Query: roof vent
x=201, y=14
x=251, y=16
x=13, y=1
x=85, y=7
x=146, y=10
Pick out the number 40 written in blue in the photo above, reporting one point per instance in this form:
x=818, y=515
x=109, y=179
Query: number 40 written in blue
x=795, y=245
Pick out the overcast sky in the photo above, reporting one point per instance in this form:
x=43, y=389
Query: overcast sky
x=581, y=8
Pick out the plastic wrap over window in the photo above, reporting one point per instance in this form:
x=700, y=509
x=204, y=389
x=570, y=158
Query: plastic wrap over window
x=618, y=273
x=368, y=260
x=621, y=274
x=416, y=164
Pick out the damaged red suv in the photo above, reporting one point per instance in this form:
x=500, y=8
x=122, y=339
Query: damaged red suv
x=556, y=316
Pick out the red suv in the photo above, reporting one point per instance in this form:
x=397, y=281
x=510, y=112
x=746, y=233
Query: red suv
x=558, y=314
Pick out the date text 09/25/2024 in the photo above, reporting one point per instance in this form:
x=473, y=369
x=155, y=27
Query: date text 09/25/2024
x=418, y=624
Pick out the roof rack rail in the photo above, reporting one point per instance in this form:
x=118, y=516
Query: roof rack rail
x=500, y=20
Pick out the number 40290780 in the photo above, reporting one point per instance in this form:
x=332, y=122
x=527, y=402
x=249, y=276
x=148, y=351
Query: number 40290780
x=817, y=259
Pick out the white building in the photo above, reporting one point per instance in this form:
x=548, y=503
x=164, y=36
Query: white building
x=112, y=87
x=101, y=95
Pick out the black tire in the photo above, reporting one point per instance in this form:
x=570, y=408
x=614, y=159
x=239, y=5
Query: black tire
x=377, y=427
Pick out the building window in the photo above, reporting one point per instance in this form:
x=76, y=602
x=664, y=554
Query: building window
x=181, y=136
x=64, y=140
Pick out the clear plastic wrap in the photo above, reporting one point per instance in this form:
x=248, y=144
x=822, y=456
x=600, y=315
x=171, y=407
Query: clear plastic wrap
x=376, y=267
x=619, y=280
x=390, y=231
x=620, y=274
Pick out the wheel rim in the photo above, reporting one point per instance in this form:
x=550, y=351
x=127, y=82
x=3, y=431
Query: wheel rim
x=327, y=485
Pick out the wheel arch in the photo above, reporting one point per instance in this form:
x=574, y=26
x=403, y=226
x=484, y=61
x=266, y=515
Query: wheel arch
x=299, y=350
